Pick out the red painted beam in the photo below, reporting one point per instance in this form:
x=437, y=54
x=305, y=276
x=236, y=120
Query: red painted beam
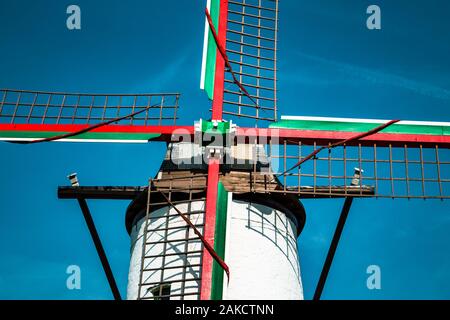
x=274, y=135
x=213, y=166
x=217, y=107
x=109, y=128
x=165, y=131
x=209, y=229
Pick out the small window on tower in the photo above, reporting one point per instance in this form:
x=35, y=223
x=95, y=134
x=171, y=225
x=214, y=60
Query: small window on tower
x=161, y=292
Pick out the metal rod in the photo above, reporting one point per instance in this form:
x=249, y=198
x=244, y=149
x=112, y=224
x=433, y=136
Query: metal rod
x=246, y=104
x=329, y=169
x=90, y=94
x=31, y=107
x=253, y=76
x=256, y=56
x=247, y=85
x=250, y=45
x=438, y=167
x=259, y=7
x=406, y=170
x=333, y=247
x=250, y=25
x=104, y=108
x=5, y=93
x=275, y=62
x=90, y=109
x=391, y=171
x=60, y=109
x=16, y=108
x=99, y=247
x=253, y=96
x=186, y=245
x=422, y=171
x=251, y=65
x=251, y=15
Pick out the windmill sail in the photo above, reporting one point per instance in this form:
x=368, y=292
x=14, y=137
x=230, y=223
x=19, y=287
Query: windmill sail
x=31, y=115
x=249, y=35
x=409, y=159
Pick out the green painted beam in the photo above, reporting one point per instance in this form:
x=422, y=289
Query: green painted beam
x=117, y=136
x=219, y=242
x=210, y=51
x=362, y=125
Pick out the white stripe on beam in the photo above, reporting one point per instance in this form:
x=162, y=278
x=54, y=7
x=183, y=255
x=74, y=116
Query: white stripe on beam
x=357, y=120
x=205, y=49
x=77, y=140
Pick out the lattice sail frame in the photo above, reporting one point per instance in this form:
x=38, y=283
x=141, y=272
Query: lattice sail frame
x=27, y=115
x=388, y=172
x=251, y=46
x=171, y=252
x=248, y=30
x=408, y=160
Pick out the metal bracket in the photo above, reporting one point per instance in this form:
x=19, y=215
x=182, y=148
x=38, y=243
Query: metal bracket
x=97, y=242
x=333, y=246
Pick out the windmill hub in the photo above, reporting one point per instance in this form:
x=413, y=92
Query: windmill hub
x=216, y=140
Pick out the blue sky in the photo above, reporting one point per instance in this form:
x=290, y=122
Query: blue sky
x=330, y=65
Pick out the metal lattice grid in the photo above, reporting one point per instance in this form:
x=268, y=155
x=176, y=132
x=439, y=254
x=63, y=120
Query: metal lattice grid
x=388, y=171
x=39, y=107
x=251, y=47
x=172, y=253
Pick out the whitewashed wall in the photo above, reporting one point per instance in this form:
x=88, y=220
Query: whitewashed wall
x=261, y=252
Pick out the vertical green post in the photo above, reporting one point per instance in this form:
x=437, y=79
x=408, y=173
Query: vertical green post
x=219, y=242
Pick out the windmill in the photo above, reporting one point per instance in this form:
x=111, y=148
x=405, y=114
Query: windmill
x=221, y=217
